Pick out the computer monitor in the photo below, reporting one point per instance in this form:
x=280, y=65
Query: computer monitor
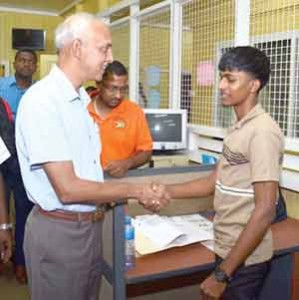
x=168, y=128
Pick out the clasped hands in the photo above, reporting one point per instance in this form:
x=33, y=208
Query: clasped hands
x=154, y=197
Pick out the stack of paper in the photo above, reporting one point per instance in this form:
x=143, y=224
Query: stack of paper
x=156, y=233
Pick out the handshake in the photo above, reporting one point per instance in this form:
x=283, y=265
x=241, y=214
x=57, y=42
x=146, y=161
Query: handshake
x=153, y=196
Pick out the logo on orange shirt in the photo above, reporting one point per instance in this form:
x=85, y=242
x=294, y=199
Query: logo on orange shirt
x=119, y=124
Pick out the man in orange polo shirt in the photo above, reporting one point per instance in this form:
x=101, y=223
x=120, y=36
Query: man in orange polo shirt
x=124, y=133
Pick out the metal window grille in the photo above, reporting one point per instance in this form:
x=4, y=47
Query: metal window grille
x=277, y=94
x=121, y=42
x=154, y=58
x=275, y=25
x=207, y=22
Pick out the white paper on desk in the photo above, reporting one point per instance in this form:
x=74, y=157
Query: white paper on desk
x=4, y=153
x=204, y=224
x=158, y=229
x=155, y=233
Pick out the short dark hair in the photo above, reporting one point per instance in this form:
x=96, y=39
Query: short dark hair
x=115, y=68
x=28, y=51
x=90, y=88
x=247, y=59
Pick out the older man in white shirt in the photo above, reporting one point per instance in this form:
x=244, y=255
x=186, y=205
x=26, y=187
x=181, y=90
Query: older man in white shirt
x=58, y=149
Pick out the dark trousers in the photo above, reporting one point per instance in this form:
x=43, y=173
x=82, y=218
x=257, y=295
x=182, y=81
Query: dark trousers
x=247, y=282
x=14, y=184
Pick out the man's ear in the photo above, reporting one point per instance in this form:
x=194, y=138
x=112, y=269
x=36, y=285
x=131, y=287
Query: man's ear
x=76, y=48
x=255, y=85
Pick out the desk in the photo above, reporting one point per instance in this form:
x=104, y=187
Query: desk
x=194, y=261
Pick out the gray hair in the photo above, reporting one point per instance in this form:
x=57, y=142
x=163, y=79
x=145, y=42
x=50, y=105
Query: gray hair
x=72, y=28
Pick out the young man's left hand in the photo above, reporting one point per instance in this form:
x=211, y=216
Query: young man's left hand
x=211, y=288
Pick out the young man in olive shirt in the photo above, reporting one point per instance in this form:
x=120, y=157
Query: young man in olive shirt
x=245, y=181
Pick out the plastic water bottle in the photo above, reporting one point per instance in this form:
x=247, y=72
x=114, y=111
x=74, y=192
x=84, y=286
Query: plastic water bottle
x=129, y=244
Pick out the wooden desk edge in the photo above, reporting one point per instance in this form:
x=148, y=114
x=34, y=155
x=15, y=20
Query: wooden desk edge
x=283, y=244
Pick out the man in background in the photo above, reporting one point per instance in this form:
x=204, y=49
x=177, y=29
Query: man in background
x=7, y=148
x=58, y=149
x=124, y=133
x=5, y=226
x=13, y=182
x=12, y=88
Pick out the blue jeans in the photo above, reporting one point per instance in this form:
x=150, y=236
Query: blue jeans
x=23, y=206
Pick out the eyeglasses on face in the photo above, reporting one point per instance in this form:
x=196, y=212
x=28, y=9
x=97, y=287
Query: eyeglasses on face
x=112, y=89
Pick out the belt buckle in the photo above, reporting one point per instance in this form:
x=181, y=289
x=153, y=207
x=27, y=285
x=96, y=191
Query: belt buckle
x=97, y=216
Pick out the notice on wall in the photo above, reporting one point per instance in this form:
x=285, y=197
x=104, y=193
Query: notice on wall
x=205, y=73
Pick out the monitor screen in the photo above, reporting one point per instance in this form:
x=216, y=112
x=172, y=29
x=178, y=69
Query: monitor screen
x=33, y=39
x=168, y=128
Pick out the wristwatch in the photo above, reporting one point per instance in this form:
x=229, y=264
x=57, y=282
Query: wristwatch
x=221, y=276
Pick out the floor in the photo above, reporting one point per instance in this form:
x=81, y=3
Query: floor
x=9, y=287
x=12, y=290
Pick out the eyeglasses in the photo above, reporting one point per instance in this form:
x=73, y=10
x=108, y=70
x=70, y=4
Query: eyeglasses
x=112, y=89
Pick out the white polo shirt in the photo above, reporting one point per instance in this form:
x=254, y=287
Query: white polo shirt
x=53, y=125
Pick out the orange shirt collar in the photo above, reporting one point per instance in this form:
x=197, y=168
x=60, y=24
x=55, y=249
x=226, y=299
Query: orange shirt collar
x=119, y=109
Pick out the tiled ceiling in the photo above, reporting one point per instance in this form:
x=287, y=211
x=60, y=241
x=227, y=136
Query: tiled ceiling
x=42, y=6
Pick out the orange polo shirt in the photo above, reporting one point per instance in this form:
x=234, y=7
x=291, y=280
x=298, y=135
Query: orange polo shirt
x=123, y=133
